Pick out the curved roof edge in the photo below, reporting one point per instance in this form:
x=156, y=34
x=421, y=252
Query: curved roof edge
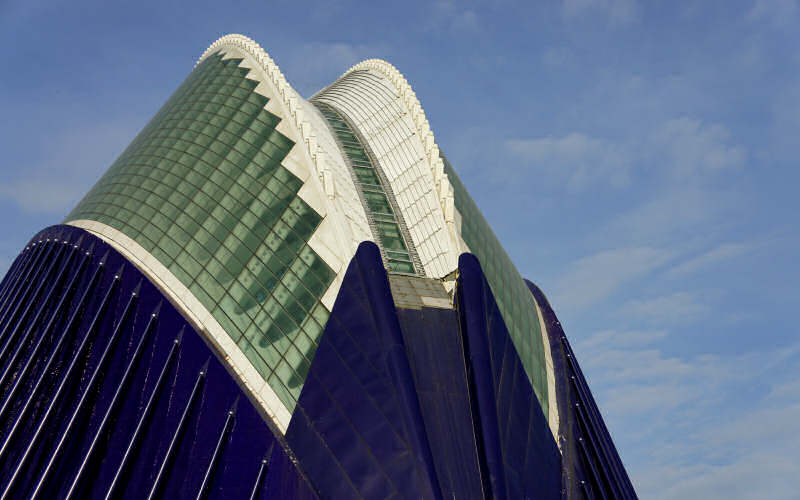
x=291, y=99
x=300, y=121
x=444, y=189
x=446, y=197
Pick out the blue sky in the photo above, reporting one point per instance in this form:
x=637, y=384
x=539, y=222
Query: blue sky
x=637, y=159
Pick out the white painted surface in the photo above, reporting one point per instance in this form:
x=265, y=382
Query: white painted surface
x=315, y=159
x=370, y=100
x=378, y=99
x=343, y=226
x=552, y=403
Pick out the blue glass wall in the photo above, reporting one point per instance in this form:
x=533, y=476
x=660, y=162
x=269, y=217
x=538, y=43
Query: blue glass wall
x=106, y=390
x=592, y=467
x=421, y=403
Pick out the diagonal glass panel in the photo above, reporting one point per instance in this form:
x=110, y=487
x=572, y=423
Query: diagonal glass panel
x=203, y=190
x=384, y=221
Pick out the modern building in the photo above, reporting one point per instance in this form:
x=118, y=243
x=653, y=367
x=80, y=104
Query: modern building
x=268, y=296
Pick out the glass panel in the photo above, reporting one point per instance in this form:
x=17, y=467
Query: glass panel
x=368, y=182
x=203, y=190
x=512, y=295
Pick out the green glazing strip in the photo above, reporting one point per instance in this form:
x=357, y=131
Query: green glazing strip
x=512, y=295
x=203, y=190
x=374, y=196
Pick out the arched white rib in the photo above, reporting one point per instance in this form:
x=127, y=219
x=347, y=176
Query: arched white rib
x=444, y=188
x=335, y=240
x=378, y=110
x=198, y=317
x=330, y=190
x=444, y=191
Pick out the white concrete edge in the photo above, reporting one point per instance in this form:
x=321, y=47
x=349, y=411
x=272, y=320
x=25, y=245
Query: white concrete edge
x=552, y=403
x=445, y=193
x=197, y=315
x=333, y=226
x=444, y=188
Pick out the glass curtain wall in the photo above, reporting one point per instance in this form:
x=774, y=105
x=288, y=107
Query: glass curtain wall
x=375, y=198
x=202, y=189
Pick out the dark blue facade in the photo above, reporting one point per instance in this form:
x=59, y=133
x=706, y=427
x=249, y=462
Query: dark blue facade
x=107, y=392
x=592, y=467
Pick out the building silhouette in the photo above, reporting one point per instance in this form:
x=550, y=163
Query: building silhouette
x=267, y=296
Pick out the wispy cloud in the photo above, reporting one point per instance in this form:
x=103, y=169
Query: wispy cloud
x=628, y=338
x=557, y=57
x=674, y=308
x=678, y=152
x=703, y=260
x=450, y=16
x=579, y=159
x=593, y=278
x=669, y=217
x=69, y=165
x=313, y=65
x=617, y=11
x=711, y=445
x=692, y=148
x=780, y=12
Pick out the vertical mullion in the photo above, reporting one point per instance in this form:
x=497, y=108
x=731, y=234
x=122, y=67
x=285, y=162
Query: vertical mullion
x=35, y=321
x=65, y=378
x=25, y=286
x=13, y=272
x=218, y=449
x=261, y=471
x=33, y=253
x=42, y=337
x=176, y=435
x=50, y=360
x=89, y=388
x=121, y=388
x=30, y=301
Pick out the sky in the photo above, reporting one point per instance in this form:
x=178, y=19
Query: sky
x=638, y=161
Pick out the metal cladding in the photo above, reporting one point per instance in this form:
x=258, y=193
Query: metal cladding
x=107, y=392
x=272, y=297
x=591, y=464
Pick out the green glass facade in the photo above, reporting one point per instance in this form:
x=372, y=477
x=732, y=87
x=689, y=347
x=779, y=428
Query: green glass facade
x=375, y=198
x=202, y=189
x=510, y=292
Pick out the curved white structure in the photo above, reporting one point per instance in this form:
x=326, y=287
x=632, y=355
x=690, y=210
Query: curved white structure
x=238, y=308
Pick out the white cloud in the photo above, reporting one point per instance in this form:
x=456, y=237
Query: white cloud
x=558, y=57
x=577, y=158
x=679, y=152
x=43, y=195
x=779, y=12
x=66, y=169
x=668, y=217
x=674, y=308
x=711, y=442
x=448, y=15
x=593, y=278
x=465, y=22
x=630, y=338
x=691, y=148
x=313, y=65
x=717, y=254
x=617, y=11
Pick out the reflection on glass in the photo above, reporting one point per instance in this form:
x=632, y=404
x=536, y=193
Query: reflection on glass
x=202, y=189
